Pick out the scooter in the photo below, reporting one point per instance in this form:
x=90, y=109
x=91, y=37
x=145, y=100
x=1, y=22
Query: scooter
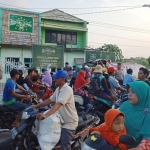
x=95, y=142
x=23, y=137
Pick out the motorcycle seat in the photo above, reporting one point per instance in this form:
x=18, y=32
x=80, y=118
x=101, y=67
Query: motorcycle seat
x=82, y=123
x=4, y=109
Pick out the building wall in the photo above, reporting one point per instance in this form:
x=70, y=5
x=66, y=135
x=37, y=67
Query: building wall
x=14, y=52
x=81, y=39
x=19, y=37
x=69, y=57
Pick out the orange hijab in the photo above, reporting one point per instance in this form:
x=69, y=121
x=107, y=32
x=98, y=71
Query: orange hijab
x=80, y=81
x=106, y=132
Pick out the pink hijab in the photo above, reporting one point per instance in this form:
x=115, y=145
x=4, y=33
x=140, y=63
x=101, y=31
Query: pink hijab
x=47, y=78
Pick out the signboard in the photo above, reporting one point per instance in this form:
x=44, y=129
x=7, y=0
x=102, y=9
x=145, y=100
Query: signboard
x=44, y=55
x=20, y=23
x=93, y=55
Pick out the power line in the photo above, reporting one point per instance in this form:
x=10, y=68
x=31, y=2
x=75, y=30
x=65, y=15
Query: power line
x=122, y=45
x=84, y=7
x=114, y=26
x=84, y=13
x=119, y=37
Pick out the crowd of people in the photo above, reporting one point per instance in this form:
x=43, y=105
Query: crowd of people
x=132, y=118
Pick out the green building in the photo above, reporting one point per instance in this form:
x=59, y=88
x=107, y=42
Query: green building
x=23, y=34
x=61, y=29
x=19, y=30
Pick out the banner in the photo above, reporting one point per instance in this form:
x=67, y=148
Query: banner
x=44, y=55
x=20, y=23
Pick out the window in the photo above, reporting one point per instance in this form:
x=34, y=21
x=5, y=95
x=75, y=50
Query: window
x=28, y=62
x=11, y=63
x=68, y=39
x=60, y=37
x=74, y=39
x=53, y=38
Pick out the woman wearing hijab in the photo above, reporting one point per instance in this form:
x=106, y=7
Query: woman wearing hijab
x=47, y=78
x=137, y=114
x=75, y=73
x=81, y=89
x=111, y=130
x=49, y=66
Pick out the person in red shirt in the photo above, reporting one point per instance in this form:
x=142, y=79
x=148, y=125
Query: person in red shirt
x=111, y=129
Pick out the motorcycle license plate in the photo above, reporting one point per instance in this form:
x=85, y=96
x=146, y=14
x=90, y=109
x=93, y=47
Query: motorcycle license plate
x=13, y=133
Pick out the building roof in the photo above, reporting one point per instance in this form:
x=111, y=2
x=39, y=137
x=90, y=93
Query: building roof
x=57, y=14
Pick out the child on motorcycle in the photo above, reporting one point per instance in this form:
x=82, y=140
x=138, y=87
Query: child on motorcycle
x=111, y=129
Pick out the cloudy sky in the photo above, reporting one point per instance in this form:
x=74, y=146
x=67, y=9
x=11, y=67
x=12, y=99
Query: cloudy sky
x=129, y=28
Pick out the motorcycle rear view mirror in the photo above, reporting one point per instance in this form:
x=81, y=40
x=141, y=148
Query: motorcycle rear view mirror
x=84, y=116
x=127, y=140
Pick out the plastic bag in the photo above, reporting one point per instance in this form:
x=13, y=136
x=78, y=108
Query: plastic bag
x=49, y=131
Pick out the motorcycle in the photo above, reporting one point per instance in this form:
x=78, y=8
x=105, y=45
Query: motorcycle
x=48, y=93
x=7, y=116
x=122, y=97
x=24, y=138
x=95, y=142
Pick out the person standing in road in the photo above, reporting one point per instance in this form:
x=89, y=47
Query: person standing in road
x=119, y=74
x=128, y=77
x=64, y=103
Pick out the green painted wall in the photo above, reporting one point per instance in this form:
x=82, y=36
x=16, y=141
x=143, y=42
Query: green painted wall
x=1, y=16
x=14, y=52
x=69, y=57
x=64, y=23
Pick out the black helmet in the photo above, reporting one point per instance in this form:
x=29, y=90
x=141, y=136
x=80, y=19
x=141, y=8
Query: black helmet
x=96, y=142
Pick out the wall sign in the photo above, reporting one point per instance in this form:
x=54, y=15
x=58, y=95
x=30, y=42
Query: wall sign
x=44, y=55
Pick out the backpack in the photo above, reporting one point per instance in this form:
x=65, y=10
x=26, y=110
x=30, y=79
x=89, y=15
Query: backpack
x=95, y=85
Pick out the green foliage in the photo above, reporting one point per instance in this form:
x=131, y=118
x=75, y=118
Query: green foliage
x=113, y=48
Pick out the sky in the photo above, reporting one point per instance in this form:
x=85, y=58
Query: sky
x=129, y=29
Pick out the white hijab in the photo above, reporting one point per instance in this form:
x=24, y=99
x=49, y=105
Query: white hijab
x=48, y=68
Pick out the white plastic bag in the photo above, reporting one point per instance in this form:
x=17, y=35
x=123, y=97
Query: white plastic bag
x=49, y=131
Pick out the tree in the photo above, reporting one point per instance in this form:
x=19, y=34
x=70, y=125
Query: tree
x=145, y=62
x=113, y=48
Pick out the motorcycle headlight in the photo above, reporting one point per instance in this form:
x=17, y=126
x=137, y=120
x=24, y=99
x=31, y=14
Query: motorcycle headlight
x=86, y=147
x=25, y=115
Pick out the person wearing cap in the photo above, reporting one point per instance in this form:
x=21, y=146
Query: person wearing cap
x=9, y=95
x=114, y=84
x=105, y=92
x=64, y=103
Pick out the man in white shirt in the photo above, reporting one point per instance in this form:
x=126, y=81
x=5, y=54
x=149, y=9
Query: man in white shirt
x=64, y=103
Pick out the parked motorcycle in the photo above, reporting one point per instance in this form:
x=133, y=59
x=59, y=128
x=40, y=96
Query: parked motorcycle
x=23, y=137
x=98, y=143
